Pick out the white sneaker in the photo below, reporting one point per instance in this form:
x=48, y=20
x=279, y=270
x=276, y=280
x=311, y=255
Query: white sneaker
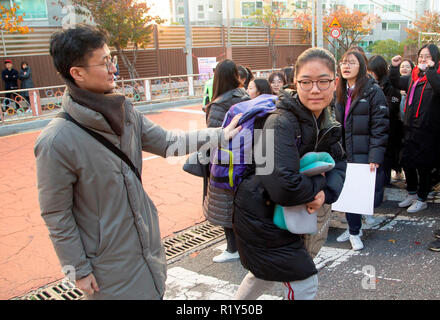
x=408, y=201
x=346, y=236
x=356, y=243
x=417, y=206
x=226, y=256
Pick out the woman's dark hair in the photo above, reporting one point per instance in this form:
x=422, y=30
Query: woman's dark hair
x=250, y=77
x=361, y=51
x=288, y=73
x=433, y=51
x=315, y=54
x=379, y=66
x=279, y=75
x=263, y=86
x=245, y=73
x=361, y=79
x=225, y=78
x=73, y=47
x=24, y=62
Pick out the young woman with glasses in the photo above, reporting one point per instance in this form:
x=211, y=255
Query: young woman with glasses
x=303, y=122
x=361, y=108
x=277, y=81
x=421, y=124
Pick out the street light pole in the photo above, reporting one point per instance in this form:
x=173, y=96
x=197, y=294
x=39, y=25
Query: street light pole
x=319, y=36
x=313, y=23
x=188, y=47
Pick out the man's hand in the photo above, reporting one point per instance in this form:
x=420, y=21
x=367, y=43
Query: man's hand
x=317, y=203
x=88, y=284
x=396, y=61
x=231, y=129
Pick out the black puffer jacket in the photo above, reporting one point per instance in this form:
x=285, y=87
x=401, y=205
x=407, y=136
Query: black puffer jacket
x=394, y=145
x=269, y=252
x=367, y=126
x=421, y=118
x=218, y=203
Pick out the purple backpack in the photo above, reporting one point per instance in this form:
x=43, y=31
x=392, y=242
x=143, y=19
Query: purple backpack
x=227, y=165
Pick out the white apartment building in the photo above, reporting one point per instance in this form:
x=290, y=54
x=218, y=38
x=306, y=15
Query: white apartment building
x=396, y=15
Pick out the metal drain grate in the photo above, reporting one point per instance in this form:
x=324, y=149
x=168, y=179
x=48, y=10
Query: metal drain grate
x=61, y=290
x=176, y=246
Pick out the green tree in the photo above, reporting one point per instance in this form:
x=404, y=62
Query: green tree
x=127, y=22
x=387, y=48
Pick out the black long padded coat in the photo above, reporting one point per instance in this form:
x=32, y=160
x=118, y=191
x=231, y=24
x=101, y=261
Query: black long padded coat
x=365, y=134
x=269, y=252
x=421, y=119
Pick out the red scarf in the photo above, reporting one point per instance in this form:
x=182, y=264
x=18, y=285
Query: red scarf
x=416, y=78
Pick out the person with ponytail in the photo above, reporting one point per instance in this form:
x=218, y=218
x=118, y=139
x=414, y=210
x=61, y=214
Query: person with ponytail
x=361, y=108
x=420, y=152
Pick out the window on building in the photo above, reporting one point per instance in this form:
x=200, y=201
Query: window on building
x=367, y=8
x=301, y=4
x=276, y=5
x=391, y=8
x=180, y=10
x=200, y=7
x=390, y=26
x=249, y=7
x=211, y=7
x=201, y=16
x=33, y=9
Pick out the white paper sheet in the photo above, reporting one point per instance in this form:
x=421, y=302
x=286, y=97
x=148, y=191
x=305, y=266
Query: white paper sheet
x=357, y=195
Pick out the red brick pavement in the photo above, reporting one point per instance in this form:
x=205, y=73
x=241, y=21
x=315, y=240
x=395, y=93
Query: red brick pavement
x=27, y=258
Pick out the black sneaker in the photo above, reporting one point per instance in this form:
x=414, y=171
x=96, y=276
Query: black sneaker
x=434, y=245
x=437, y=234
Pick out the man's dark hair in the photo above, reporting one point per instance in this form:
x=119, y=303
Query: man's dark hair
x=72, y=47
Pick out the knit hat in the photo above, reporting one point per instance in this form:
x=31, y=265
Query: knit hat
x=8, y=61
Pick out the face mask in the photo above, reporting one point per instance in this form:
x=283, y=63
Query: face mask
x=422, y=66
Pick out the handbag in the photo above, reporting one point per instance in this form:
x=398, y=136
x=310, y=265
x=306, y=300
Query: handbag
x=193, y=165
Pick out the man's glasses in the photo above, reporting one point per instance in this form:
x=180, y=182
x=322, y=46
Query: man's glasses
x=322, y=84
x=109, y=64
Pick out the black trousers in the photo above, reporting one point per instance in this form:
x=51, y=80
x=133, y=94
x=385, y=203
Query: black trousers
x=418, y=180
x=231, y=245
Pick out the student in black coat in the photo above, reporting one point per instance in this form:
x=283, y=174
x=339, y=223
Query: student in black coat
x=420, y=152
x=378, y=69
x=303, y=122
x=362, y=109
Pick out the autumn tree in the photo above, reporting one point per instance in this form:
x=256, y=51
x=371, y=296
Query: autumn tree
x=272, y=17
x=355, y=26
x=128, y=23
x=11, y=21
x=428, y=23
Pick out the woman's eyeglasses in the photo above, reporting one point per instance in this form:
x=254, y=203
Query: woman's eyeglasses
x=348, y=63
x=322, y=84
